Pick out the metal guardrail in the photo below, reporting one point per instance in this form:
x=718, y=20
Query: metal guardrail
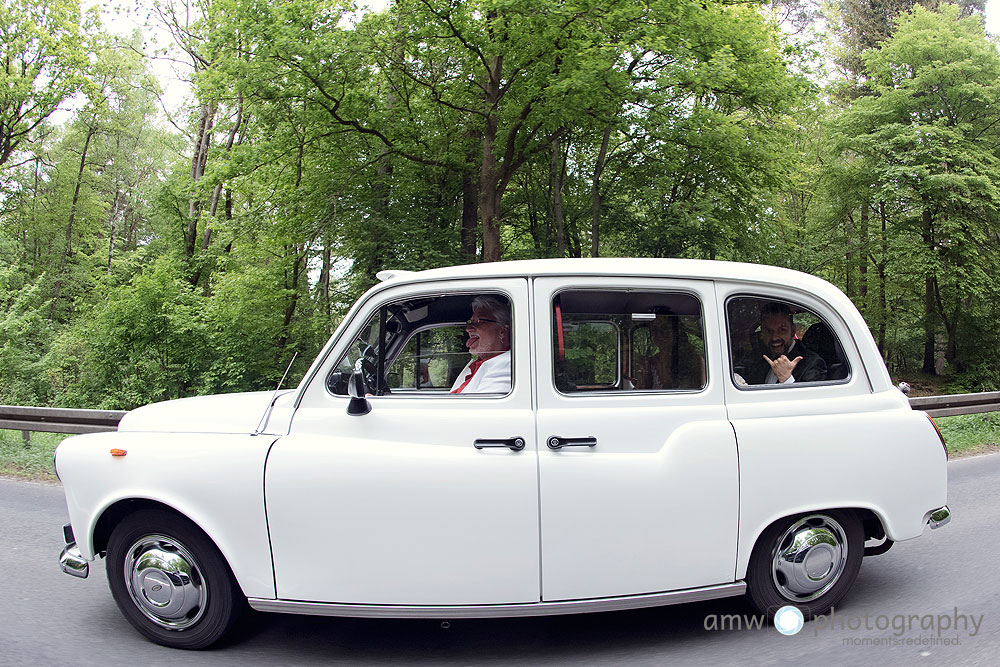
x=69, y=420
x=957, y=404
x=58, y=420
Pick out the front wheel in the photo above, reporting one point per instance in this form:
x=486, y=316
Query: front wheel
x=170, y=581
x=808, y=561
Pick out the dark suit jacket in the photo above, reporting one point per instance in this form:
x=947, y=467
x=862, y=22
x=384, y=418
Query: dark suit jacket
x=812, y=368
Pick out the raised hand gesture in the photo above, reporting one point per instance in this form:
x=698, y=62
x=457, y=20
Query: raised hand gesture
x=782, y=366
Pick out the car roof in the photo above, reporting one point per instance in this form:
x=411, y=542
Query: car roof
x=698, y=269
x=689, y=269
x=744, y=274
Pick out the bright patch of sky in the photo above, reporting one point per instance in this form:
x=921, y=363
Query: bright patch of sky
x=993, y=17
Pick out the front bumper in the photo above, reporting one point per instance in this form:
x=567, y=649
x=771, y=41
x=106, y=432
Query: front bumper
x=939, y=517
x=71, y=561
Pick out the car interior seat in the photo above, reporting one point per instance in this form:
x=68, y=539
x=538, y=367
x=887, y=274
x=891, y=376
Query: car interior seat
x=821, y=340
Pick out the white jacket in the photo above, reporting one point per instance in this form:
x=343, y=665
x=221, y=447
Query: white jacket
x=493, y=377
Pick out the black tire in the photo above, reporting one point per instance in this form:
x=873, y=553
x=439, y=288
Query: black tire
x=774, y=582
x=170, y=581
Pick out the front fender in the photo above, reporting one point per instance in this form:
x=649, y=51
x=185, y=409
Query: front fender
x=215, y=480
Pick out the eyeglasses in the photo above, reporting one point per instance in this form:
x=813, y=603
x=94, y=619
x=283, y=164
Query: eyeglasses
x=478, y=322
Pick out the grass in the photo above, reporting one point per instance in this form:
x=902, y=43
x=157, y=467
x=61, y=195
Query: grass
x=32, y=462
x=968, y=435
x=965, y=435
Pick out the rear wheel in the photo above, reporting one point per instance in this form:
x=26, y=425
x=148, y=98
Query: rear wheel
x=170, y=581
x=808, y=561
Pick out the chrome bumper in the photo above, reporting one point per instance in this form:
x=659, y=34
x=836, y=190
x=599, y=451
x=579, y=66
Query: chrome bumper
x=939, y=517
x=72, y=561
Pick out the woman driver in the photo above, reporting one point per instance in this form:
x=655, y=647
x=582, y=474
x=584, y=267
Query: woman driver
x=489, y=343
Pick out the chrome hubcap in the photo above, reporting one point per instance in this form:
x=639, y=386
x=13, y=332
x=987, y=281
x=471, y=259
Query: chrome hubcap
x=809, y=558
x=165, y=582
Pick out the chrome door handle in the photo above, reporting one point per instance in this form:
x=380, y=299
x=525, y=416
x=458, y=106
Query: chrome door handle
x=516, y=443
x=558, y=442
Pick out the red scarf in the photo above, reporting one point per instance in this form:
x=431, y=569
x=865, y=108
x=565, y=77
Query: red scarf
x=473, y=367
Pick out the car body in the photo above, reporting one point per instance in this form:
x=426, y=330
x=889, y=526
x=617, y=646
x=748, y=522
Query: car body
x=629, y=463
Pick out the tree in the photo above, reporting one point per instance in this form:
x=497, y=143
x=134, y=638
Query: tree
x=929, y=133
x=43, y=61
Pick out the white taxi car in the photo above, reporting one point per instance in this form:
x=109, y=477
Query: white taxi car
x=521, y=438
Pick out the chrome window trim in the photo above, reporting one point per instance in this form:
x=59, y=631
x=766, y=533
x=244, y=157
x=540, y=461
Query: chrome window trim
x=351, y=335
x=630, y=392
x=773, y=387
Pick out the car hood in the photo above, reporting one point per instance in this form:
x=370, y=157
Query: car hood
x=224, y=413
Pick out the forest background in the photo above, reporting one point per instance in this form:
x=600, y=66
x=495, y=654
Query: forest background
x=151, y=251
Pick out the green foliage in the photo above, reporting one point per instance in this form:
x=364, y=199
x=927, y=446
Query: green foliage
x=28, y=461
x=24, y=336
x=148, y=340
x=325, y=145
x=969, y=433
x=919, y=153
x=44, y=48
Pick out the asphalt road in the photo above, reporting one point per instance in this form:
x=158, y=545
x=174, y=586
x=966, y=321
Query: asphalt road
x=49, y=618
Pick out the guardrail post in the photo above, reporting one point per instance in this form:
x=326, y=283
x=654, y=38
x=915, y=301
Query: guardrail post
x=26, y=436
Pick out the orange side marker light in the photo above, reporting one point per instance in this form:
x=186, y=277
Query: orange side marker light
x=118, y=452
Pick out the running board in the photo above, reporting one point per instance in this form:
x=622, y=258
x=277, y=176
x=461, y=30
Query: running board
x=499, y=610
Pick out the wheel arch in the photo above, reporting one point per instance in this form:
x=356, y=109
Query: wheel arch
x=253, y=575
x=872, y=522
x=113, y=514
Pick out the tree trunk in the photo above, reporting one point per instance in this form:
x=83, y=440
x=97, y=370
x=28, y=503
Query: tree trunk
x=929, y=312
x=881, y=266
x=489, y=182
x=68, y=248
x=324, y=284
x=849, y=256
x=863, y=258
x=294, y=299
x=595, y=196
x=111, y=227
x=950, y=323
x=217, y=191
x=470, y=215
x=198, y=162
x=555, y=194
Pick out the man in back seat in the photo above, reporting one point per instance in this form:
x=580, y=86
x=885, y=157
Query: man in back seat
x=786, y=359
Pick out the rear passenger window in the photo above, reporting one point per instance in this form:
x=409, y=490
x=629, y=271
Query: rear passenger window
x=773, y=342
x=627, y=341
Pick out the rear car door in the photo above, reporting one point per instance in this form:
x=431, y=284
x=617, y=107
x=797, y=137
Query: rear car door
x=639, y=483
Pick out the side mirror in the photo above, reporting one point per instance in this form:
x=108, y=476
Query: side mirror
x=356, y=388
x=905, y=388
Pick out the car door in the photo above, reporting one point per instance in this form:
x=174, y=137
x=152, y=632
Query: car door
x=638, y=467
x=399, y=506
x=822, y=441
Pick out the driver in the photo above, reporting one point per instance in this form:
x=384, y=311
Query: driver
x=489, y=342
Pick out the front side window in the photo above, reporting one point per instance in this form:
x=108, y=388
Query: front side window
x=448, y=344
x=627, y=341
x=774, y=342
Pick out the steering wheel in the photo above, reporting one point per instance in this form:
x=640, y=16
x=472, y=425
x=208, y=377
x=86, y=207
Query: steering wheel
x=368, y=365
